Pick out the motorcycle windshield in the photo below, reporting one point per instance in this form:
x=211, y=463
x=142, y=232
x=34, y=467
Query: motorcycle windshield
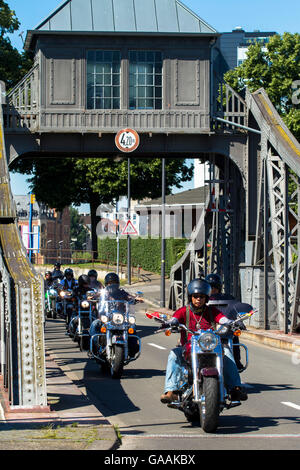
x=112, y=307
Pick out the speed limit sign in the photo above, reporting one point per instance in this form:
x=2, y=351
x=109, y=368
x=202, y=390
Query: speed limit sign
x=127, y=140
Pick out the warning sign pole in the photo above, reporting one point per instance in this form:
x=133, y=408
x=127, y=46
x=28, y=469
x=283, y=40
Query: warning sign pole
x=128, y=236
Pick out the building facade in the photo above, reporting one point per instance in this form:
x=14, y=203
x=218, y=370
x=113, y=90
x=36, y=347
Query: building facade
x=50, y=231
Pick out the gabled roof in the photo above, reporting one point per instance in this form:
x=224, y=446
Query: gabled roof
x=191, y=196
x=130, y=16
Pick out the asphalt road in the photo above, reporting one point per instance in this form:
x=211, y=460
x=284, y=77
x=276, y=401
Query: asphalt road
x=268, y=420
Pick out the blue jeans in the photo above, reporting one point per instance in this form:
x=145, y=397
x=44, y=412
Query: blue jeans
x=175, y=364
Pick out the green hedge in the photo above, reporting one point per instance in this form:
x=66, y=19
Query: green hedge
x=145, y=253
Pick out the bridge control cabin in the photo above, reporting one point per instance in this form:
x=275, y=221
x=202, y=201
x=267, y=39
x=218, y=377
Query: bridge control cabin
x=102, y=65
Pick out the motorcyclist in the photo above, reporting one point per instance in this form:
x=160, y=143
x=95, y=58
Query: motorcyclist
x=215, y=282
x=68, y=281
x=48, y=281
x=94, y=283
x=112, y=291
x=57, y=273
x=80, y=292
x=197, y=315
x=112, y=287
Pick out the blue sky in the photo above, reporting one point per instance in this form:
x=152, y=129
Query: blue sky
x=266, y=15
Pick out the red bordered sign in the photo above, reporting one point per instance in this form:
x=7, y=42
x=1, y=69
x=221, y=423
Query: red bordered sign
x=127, y=140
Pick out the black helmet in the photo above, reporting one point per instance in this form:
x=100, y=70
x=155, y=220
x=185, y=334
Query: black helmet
x=111, y=278
x=214, y=280
x=198, y=286
x=48, y=272
x=69, y=272
x=93, y=272
x=57, y=265
x=83, y=279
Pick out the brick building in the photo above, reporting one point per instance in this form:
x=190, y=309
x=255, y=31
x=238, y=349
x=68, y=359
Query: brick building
x=50, y=231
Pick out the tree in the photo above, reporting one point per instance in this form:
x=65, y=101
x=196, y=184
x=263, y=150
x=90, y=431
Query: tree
x=13, y=65
x=60, y=183
x=78, y=232
x=275, y=68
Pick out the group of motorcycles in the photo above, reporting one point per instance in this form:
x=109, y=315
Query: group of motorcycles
x=114, y=343
x=202, y=395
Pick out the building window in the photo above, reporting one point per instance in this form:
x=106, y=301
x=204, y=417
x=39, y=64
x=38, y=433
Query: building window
x=145, y=80
x=103, y=79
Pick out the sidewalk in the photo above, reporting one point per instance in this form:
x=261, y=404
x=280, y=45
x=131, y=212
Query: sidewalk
x=69, y=422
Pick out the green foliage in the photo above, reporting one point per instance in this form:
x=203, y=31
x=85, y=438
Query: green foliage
x=146, y=253
x=77, y=230
x=275, y=69
x=13, y=65
x=8, y=21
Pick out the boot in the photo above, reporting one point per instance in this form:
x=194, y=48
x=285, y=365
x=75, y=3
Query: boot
x=169, y=397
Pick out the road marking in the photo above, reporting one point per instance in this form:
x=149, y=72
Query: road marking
x=156, y=346
x=292, y=405
x=205, y=436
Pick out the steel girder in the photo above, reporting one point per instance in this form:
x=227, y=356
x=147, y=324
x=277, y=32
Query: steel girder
x=278, y=219
x=22, y=353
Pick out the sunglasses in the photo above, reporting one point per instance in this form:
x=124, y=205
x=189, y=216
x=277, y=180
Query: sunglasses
x=199, y=296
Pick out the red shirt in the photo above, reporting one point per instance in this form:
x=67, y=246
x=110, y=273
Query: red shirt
x=205, y=323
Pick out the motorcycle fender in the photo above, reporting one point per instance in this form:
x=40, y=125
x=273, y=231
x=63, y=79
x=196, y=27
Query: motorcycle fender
x=117, y=340
x=210, y=372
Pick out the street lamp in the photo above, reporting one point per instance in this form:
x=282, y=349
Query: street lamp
x=60, y=250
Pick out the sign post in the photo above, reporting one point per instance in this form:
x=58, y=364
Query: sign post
x=127, y=140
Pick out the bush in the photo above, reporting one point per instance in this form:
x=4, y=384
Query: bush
x=145, y=253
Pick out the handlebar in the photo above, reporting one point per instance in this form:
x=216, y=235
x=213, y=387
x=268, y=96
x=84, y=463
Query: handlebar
x=176, y=327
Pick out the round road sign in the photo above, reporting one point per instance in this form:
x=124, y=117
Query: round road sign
x=127, y=140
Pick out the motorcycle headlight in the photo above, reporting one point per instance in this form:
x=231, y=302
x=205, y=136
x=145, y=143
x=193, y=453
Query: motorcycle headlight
x=85, y=304
x=104, y=318
x=118, y=318
x=131, y=320
x=208, y=341
x=62, y=294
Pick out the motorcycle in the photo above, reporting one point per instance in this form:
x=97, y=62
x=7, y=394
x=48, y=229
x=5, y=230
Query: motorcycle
x=203, y=394
x=117, y=343
x=80, y=325
x=51, y=296
x=66, y=301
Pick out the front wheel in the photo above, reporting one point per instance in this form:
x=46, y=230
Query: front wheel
x=84, y=343
x=209, y=407
x=117, y=361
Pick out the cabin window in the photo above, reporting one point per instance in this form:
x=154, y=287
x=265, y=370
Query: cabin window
x=103, y=79
x=145, y=80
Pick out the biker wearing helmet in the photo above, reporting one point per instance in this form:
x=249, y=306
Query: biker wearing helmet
x=215, y=282
x=57, y=273
x=197, y=315
x=68, y=282
x=94, y=283
x=48, y=281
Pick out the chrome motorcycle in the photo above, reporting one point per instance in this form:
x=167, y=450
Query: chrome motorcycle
x=67, y=305
x=203, y=394
x=79, y=328
x=117, y=343
x=51, y=296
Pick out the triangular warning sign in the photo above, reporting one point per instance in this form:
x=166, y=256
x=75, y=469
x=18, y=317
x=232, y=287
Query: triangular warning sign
x=129, y=229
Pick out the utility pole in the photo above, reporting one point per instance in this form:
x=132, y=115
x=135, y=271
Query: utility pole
x=163, y=237
x=128, y=236
x=32, y=201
